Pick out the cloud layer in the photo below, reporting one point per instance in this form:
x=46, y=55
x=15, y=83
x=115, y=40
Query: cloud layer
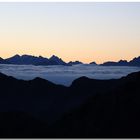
x=64, y=75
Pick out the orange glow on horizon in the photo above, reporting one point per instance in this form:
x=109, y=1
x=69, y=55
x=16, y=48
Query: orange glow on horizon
x=78, y=31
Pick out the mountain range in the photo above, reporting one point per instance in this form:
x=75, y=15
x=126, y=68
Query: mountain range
x=54, y=60
x=33, y=60
x=133, y=62
x=74, y=63
x=89, y=108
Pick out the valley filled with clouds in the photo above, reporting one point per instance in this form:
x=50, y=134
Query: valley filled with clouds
x=64, y=75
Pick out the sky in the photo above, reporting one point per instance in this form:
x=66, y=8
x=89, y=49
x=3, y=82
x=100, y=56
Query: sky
x=104, y=31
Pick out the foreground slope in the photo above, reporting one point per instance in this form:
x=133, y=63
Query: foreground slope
x=88, y=108
x=115, y=114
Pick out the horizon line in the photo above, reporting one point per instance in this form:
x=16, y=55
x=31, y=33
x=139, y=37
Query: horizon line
x=69, y=60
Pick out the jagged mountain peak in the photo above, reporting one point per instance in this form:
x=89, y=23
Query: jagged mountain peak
x=93, y=63
x=56, y=60
x=54, y=57
x=74, y=62
x=122, y=61
x=16, y=56
x=25, y=55
x=1, y=58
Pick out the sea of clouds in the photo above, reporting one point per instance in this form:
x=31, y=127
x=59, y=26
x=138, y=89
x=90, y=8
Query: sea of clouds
x=64, y=75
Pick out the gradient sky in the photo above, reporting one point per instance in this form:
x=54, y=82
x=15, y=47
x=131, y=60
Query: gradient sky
x=73, y=31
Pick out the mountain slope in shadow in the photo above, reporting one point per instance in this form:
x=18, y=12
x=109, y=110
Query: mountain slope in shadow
x=21, y=125
x=89, y=108
x=115, y=114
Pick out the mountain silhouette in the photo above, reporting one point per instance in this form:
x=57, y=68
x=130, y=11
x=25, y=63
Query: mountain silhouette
x=54, y=60
x=74, y=63
x=27, y=60
x=1, y=60
x=112, y=113
x=89, y=108
x=133, y=62
x=93, y=63
x=33, y=60
x=119, y=63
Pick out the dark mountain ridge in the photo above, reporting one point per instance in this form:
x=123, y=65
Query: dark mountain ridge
x=89, y=108
x=114, y=114
x=93, y=63
x=54, y=60
x=33, y=60
x=133, y=62
x=74, y=63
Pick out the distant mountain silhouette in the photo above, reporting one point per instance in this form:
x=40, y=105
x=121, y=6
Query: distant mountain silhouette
x=74, y=63
x=54, y=60
x=27, y=60
x=133, y=62
x=119, y=63
x=1, y=60
x=33, y=60
x=89, y=108
x=93, y=63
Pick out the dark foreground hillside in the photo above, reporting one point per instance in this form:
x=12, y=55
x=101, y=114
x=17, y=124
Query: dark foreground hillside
x=87, y=109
